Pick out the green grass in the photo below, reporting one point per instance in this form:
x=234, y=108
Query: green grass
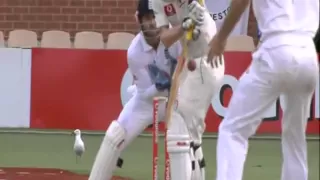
x=55, y=151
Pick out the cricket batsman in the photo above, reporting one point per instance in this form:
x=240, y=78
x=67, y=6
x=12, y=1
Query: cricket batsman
x=150, y=66
x=197, y=86
x=285, y=63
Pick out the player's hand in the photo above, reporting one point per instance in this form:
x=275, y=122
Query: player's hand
x=187, y=24
x=196, y=33
x=196, y=13
x=162, y=81
x=216, y=49
x=160, y=78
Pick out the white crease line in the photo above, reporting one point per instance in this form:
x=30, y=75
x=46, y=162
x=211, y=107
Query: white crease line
x=50, y=174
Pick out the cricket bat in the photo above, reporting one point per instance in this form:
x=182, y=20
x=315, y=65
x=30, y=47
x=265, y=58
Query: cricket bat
x=176, y=76
x=175, y=83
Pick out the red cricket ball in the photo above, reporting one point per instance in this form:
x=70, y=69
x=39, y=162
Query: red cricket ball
x=192, y=65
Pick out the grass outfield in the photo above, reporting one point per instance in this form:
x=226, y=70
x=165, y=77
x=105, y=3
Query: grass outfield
x=55, y=151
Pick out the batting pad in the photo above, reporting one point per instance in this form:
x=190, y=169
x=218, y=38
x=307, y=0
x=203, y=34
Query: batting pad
x=108, y=154
x=180, y=160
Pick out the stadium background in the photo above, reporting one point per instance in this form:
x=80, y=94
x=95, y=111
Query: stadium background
x=103, y=16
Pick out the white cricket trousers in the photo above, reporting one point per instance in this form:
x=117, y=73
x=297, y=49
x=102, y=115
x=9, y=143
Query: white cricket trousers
x=197, y=89
x=196, y=94
x=290, y=70
x=137, y=114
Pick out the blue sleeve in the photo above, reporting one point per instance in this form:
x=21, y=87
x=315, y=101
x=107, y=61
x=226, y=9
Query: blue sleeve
x=142, y=77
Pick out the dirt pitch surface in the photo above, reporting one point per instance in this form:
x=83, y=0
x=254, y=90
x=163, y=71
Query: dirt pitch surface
x=43, y=174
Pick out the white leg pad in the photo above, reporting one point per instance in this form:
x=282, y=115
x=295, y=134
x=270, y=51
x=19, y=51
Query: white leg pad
x=180, y=160
x=109, y=152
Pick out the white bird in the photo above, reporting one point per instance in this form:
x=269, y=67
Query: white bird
x=78, y=147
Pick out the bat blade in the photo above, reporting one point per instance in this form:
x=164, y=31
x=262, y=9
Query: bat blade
x=174, y=89
x=175, y=80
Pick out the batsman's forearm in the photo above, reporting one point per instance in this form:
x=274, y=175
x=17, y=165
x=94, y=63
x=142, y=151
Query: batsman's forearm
x=170, y=36
x=237, y=8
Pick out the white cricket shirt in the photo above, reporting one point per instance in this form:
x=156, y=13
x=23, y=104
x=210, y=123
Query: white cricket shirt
x=139, y=55
x=300, y=17
x=173, y=13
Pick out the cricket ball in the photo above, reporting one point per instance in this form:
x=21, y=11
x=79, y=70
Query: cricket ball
x=191, y=65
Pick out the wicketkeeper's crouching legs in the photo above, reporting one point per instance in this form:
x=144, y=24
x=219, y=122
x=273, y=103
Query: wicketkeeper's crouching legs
x=109, y=153
x=133, y=119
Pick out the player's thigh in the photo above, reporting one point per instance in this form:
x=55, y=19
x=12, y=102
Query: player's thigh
x=126, y=112
x=193, y=101
x=136, y=127
x=177, y=125
x=302, y=78
x=296, y=110
x=197, y=91
x=302, y=73
x=195, y=97
x=142, y=117
x=257, y=90
x=134, y=118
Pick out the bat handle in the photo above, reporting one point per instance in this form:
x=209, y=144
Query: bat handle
x=189, y=34
x=190, y=31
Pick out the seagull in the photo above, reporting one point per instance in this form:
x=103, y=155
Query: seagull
x=78, y=146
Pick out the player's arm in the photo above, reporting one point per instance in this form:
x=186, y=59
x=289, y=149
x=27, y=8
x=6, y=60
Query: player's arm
x=142, y=77
x=237, y=7
x=170, y=36
x=167, y=36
